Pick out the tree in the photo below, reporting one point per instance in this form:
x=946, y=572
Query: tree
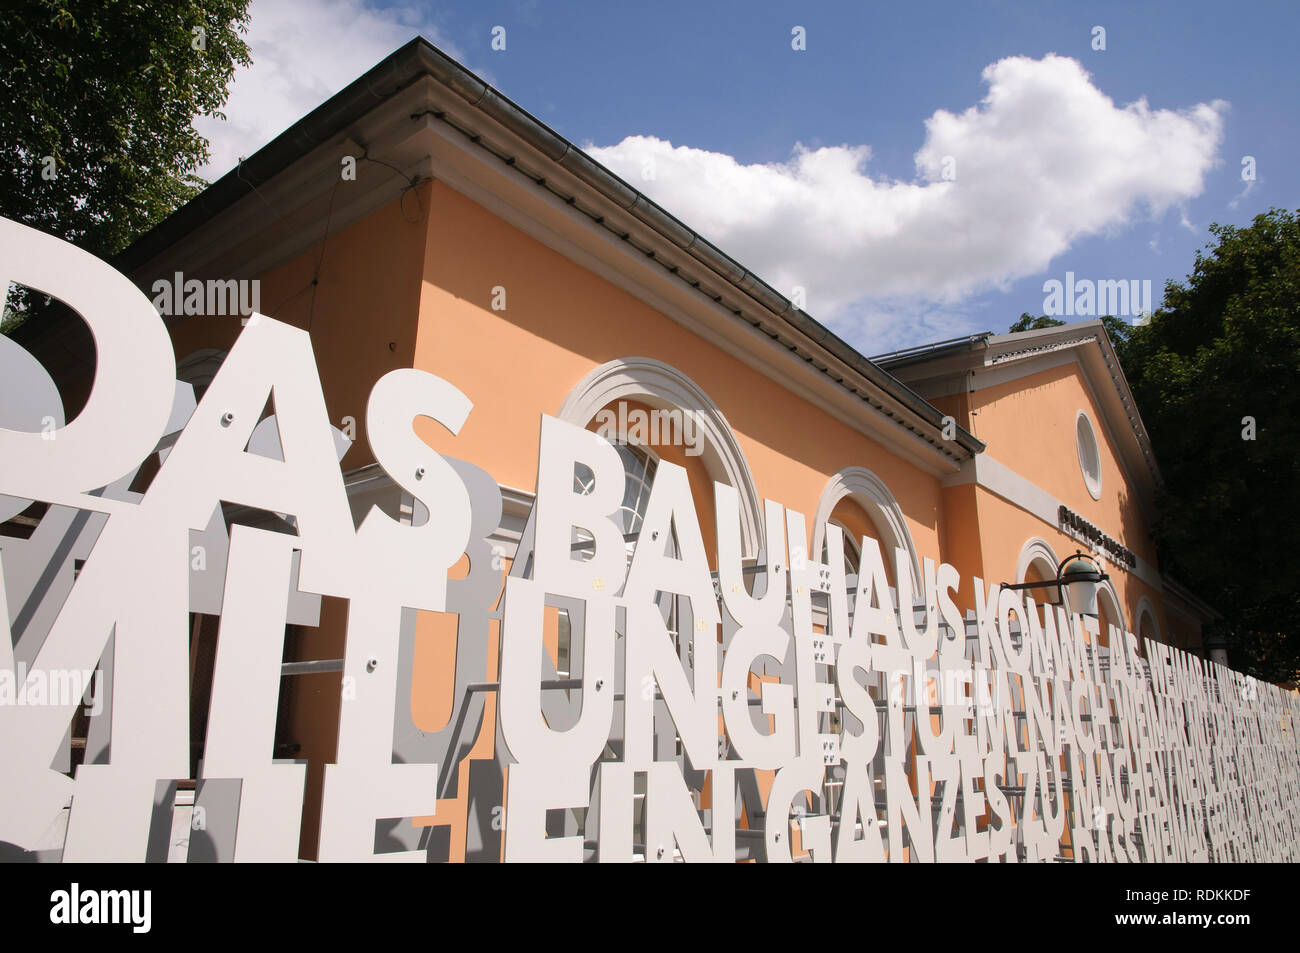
x=1028, y=322
x=96, y=108
x=1214, y=374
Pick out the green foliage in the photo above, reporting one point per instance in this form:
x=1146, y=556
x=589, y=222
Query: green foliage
x=1225, y=347
x=1028, y=322
x=11, y=318
x=109, y=91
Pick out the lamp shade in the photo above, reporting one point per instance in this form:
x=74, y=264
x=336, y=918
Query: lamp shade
x=1081, y=576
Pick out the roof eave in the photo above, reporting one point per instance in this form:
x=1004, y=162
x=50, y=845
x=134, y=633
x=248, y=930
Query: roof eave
x=419, y=58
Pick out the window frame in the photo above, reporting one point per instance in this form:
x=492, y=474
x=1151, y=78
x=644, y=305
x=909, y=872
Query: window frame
x=1082, y=424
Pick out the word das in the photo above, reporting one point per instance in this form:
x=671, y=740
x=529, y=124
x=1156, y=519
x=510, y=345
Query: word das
x=134, y=587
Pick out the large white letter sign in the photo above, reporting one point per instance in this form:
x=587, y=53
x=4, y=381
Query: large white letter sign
x=553, y=765
x=135, y=373
x=563, y=507
x=676, y=708
x=121, y=423
x=409, y=551
x=652, y=656
x=759, y=636
x=396, y=568
x=245, y=694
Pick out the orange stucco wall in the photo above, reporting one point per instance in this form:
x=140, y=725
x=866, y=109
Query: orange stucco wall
x=961, y=539
x=1028, y=424
x=361, y=311
x=561, y=321
x=1005, y=530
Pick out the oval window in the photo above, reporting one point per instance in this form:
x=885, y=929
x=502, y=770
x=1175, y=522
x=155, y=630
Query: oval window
x=1089, y=455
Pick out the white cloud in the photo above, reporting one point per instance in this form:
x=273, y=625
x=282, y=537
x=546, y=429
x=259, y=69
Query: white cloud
x=1044, y=160
x=304, y=51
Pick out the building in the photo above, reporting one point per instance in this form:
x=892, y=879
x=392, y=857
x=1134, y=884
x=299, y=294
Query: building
x=1033, y=499
x=419, y=219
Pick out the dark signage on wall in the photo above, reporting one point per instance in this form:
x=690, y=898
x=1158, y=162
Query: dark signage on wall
x=1079, y=526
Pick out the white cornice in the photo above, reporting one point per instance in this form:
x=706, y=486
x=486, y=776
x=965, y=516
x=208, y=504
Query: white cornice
x=1006, y=483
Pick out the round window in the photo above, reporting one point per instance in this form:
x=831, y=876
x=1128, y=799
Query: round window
x=1089, y=455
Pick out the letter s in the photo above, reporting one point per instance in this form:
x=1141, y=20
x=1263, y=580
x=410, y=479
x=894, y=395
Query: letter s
x=415, y=551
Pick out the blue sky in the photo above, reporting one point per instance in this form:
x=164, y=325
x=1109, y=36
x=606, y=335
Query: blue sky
x=831, y=169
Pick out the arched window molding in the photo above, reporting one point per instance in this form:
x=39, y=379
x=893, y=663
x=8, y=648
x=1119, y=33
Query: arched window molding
x=869, y=492
x=1145, y=607
x=659, y=385
x=1038, y=552
x=852, y=551
x=1114, y=607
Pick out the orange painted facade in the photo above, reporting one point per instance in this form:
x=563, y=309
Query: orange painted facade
x=394, y=294
x=516, y=314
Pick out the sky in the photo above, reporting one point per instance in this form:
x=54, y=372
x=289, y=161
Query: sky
x=908, y=172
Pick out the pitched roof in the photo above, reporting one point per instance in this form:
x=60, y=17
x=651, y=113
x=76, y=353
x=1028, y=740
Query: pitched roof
x=930, y=362
x=492, y=121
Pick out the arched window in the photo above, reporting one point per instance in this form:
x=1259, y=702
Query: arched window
x=1148, y=627
x=833, y=722
x=1038, y=563
x=639, y=465
x=660, y=386
x=1109, y=612
x=852, y=554
x=875, y=500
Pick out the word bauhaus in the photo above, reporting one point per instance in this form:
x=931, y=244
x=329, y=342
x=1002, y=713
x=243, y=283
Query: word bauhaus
x=773, y=673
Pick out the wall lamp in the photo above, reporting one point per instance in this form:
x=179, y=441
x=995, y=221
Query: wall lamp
x=1081, y=574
